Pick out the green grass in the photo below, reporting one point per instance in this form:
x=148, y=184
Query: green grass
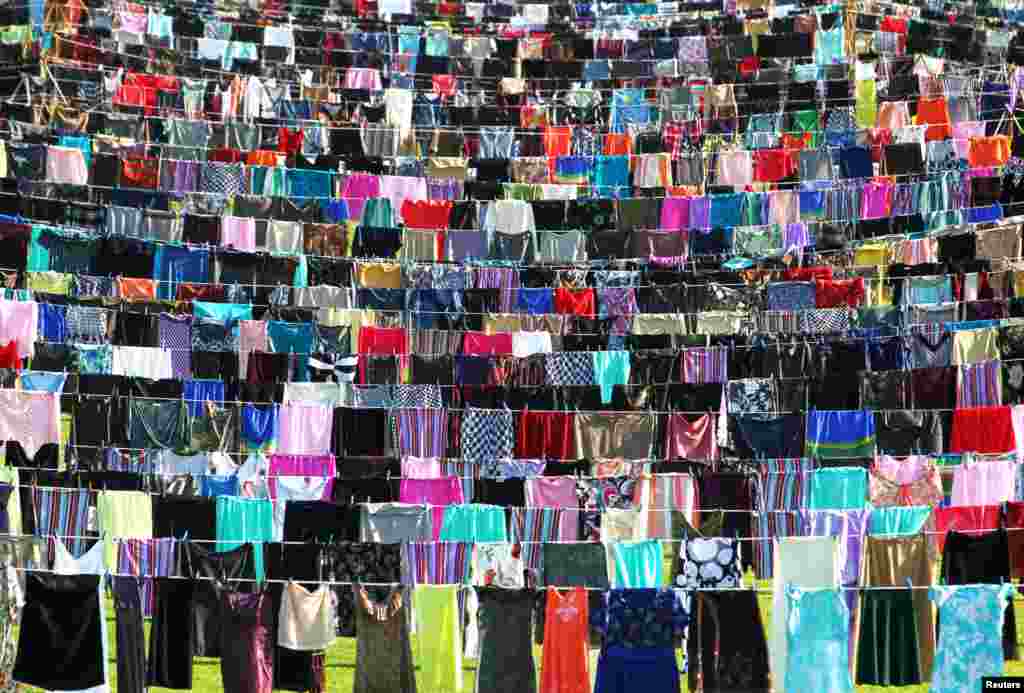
x=341, y=658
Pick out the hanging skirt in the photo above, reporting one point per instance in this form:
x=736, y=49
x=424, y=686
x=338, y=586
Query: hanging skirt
x=887, y=654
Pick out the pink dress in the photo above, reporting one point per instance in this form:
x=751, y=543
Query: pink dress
x=305, y=429
x=983, y=482
x=31, y=418
x=691, y=440
x=319, y=466
x=238, y=233
x=436, y=493
x=556, y=492
x=358, y=188
x=675, y=213
x=19, y=323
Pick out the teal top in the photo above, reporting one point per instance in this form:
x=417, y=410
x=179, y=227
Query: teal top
x=474, y=523
x=637, y=564
x=243, y=521
x=838, y=488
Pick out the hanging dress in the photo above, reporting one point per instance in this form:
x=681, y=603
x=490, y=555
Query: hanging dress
x=640, y=627
x=726, y=646
x=565, y=662
x=970, y=559
x=246, y=648
x=439, y=657
x=808, y=562
x=817, y=641
x=970, y=642
x=92, y=562
x=384, y=661
x=506, y=647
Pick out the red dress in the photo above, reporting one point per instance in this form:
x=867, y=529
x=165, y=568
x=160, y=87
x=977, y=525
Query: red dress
x=564, y=667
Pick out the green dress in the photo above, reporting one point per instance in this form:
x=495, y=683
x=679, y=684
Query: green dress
x=383, y=651
x=440, y=647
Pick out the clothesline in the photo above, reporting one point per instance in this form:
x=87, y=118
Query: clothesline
x=638, y=264
x=194, y=55
x=847, y=272
x=810, y=341
x=534, y=91
x=704, y=157
x=851, y=185
x=695, y=15
x=596, y=265
x=650, y=127
x=641, y=511
x=515, y=412
x=710, y=463
x=737, y=137
x=343, y=583
x=660, y=16
x=455, y=315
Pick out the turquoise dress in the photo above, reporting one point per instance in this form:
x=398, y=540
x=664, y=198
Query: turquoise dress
x=474, y=523
x=971, y=636
x=242, y=521
x=817, y=642
x=611, y=368
x=899, y=520
x=637, y=564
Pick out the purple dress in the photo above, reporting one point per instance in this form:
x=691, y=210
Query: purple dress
x=247, y=652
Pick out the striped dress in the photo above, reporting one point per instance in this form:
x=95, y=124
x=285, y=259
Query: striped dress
x=783, y=490
x=146, y=559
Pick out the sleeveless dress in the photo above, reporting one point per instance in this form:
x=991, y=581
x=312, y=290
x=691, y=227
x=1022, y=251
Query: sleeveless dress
x=92, y=562
x=817, y=642
x=246, y=648
x=384, y=662
x=564, y=667
x=970, y=640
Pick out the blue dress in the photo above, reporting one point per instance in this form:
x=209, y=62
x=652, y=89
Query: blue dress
x=640, y=628
x=817, y=642
x=971, y=636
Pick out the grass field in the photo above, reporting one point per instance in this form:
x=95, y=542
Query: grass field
x=341, y=658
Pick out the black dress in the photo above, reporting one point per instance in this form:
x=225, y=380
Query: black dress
x=506, y=650
x=60, y=643
x=206, y=601
x=131, y=637
x=726, y=647
x=170, y=640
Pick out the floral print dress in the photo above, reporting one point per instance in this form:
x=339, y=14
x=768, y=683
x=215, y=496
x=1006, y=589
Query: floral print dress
x=640, y=629
x=971, y=638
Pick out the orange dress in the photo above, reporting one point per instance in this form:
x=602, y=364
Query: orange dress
x=566, y=634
